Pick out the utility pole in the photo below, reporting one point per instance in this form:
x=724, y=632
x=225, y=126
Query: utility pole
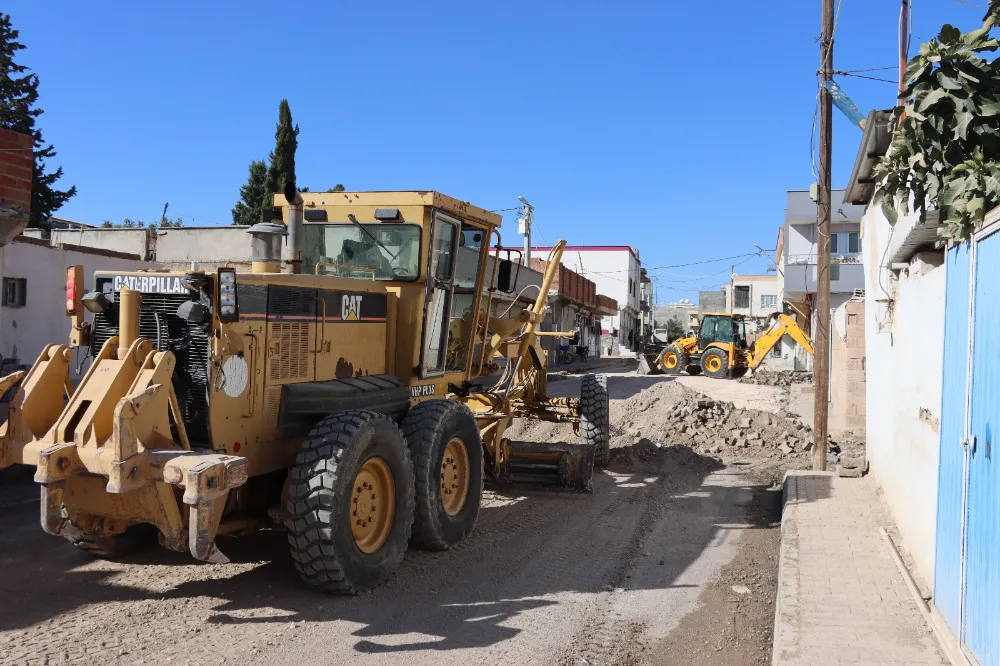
x=524, y=228
x=904, y=42
x=732, y=288
x=821, y=366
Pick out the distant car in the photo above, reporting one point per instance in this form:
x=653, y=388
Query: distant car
x=660, y=335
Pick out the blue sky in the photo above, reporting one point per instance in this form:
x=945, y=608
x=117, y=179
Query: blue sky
x=675, y=127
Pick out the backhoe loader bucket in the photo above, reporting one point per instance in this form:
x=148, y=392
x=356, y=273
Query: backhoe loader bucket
x=649, y=364
x=106, y=458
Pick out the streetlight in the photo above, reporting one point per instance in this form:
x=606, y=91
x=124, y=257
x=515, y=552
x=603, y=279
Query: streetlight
x=524, y=228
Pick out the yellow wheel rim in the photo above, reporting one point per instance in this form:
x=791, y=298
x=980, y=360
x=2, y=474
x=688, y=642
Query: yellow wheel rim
x=670, y=360
x=454, y=476
x=714, y=364
x=373, y=505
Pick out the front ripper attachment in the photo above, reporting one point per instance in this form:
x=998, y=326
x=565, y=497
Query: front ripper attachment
x=108, y=460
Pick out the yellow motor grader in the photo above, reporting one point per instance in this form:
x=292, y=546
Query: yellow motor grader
x=344, y=398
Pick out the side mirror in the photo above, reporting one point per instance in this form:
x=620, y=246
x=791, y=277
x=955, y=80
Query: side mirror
x=507, y=276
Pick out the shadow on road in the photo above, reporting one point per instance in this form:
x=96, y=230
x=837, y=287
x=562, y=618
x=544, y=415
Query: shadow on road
x=529, y=550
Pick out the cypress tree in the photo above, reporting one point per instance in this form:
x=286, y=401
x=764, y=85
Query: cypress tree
x=18, y=112
x=281, y=172
x=254, y=196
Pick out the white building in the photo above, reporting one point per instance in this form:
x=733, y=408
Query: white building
x=615, y=269
x=797, y=262
x=754, y=296
x=34, y=295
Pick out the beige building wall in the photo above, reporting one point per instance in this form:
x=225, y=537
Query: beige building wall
x=848, y=367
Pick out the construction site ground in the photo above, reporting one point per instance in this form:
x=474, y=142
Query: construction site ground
x=671, y=560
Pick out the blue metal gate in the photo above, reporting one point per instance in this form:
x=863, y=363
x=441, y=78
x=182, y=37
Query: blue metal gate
x=967, y=558
x=951, y=466
x=981, y=607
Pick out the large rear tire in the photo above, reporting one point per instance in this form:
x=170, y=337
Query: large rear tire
x=350, y=505
x=672, y=360
x=447, y=453
x=715, y=363
x=595, y=418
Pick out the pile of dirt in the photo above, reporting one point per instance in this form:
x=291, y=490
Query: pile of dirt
x=648, y=457
x=776, y=378
x=667, y=414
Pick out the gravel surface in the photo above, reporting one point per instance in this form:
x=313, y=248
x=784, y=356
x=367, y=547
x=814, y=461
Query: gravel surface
x=634, y=573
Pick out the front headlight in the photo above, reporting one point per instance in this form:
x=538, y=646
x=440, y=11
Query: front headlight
x=228, y=307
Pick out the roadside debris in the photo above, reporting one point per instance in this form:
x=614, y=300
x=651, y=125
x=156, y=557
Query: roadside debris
x=776, y=378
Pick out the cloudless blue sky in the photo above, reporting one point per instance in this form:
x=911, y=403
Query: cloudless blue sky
x=675, y=127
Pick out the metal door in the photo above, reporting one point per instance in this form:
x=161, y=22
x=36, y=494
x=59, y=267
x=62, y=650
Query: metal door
x=981, y=598
x=951, y=469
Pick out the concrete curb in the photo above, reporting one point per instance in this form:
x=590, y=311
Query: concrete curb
x=788, y=574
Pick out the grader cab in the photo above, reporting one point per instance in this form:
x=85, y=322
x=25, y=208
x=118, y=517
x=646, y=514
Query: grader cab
x=343, y=398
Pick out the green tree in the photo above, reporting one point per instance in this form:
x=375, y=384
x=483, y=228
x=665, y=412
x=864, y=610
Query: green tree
x=947, y=131
x=339, y=187
x=281, y=171
x=674, y=329
x=253, y=196
x=18, y=112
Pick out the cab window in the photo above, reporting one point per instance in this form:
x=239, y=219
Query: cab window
x=472, y=245
x=381, y=251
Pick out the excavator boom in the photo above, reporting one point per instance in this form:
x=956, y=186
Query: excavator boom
x=782, y=325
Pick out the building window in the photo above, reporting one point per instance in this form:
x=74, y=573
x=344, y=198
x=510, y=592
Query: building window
x=834, y=272
x=847, y=243
x=15, y=292
x=742, y=299
x=768, y=301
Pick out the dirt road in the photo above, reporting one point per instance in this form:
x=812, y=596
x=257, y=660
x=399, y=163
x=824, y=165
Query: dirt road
x=670, y=560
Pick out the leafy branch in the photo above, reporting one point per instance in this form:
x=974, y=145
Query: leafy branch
x=947, y=143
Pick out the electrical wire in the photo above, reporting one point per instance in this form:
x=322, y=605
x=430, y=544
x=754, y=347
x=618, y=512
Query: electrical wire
x=862, y=76
x=660, y=268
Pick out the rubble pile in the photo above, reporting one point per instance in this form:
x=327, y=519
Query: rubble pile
x=776, y=378
x=715, y=427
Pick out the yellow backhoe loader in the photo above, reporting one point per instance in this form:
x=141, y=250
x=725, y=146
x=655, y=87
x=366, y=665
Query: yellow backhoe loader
x=342, y=398
x=720, y=349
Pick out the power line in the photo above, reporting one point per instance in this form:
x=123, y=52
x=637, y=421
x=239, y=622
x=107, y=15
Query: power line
x=862, y=76
x=693, y=263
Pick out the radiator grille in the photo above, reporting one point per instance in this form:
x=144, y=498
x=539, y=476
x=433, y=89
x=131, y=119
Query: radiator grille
x=292, y=359
x=159, y=323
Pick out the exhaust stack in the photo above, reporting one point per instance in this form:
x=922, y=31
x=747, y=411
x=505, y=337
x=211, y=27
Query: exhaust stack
x=292, y=254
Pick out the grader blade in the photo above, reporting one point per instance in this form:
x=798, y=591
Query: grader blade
x=559, y=464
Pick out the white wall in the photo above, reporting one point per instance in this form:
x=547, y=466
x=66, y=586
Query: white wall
x=204, y=245
x=904, y=354
x=131, y=241
x=24, y=332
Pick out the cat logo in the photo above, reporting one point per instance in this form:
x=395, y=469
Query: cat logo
x=351, y=308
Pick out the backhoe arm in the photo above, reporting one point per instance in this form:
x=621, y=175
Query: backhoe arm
x=783, y=325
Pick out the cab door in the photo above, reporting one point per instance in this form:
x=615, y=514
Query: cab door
x=440, y=292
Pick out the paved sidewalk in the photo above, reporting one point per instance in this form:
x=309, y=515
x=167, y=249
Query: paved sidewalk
x=841, y=598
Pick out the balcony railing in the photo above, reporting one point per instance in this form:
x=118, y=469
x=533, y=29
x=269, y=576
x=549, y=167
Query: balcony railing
x=844, y=277
x=835, y=257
